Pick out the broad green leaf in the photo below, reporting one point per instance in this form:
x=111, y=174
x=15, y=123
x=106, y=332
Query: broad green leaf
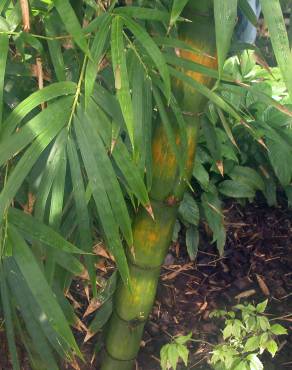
x=275, y=21
x=213, y=213
x=248, y=176
x=83, y=221
x=71, y=23
x=252, y=344
x=152, y=49
x=235, y=189
x=201, y=175
x=41, y=232
x=6, y=306
x=173, y=356
x=189, y=210
x=280, y=156
x=183, y=353
x=225, y=19
x=97, y=50
x=121, y=75
x=30, y=157
x=39, y=288
x=177, y=8
x=261, y=307
x=55, y=47
x=4, y=44
x=272, y=347
x=46, y=94
x=192, y=242
x=255, y=363
x=104, y=208
x=278, y=329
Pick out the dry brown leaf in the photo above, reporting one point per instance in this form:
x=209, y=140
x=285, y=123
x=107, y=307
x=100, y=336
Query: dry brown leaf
x=245, y=294
x=93, y=306
x=263, y=286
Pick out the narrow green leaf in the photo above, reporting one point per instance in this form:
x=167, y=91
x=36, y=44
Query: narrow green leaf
x=97, y=50
x=152, y=49
x=143, y=13
x=17, y=286
x=4, y=45
x=177, y=8
x=39, y=231
x=248, y=12
x=8, y=319
x=55, y=47
x=275, y=21
x=27, y=105
x=83, y=221
x=36, y=126
x=121, y=75
x=207, y=92
x=71, y=23
x=30, y=157
x=40, y=289
x=225, y=19
x=103, y=205
x=120, y=154
x=111, y=184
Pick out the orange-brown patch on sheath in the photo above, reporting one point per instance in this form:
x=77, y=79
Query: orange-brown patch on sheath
x=203, y=59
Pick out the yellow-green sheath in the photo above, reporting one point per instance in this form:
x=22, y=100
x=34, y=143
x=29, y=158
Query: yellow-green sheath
x=152, y=236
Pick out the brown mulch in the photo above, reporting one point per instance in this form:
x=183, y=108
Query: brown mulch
x=256, y=265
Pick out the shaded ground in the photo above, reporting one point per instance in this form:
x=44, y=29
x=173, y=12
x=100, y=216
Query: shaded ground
x=257, y=264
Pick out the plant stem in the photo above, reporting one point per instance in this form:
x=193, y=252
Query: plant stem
x=152, y=237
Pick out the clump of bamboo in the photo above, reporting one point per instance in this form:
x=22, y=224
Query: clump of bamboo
x=152, y=237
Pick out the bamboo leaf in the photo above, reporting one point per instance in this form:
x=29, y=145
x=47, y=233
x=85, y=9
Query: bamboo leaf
x=83, y=220
x=143, y=13
x=8, y=319
x=97, y=49
x=30, y=157
x=207, y=92
x=39, y=231
x=177, y=8
x=40, y=289
x=55, y=48
x=32, y=129
x=71, y=23
x=276, y=25
x=152, y=49
x=121, y=75
x=248, y=12
x=225, y=18
x=4, y=45
x=27, y=105
x=103, y=205
x=17, y=286
x=120, y=154
x=111, y=184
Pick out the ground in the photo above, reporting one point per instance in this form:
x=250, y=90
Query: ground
x=256, y=265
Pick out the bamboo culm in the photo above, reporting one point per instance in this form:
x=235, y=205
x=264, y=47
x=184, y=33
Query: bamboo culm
x=152, y=237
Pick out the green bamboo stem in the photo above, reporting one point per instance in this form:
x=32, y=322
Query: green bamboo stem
x=152, y=237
